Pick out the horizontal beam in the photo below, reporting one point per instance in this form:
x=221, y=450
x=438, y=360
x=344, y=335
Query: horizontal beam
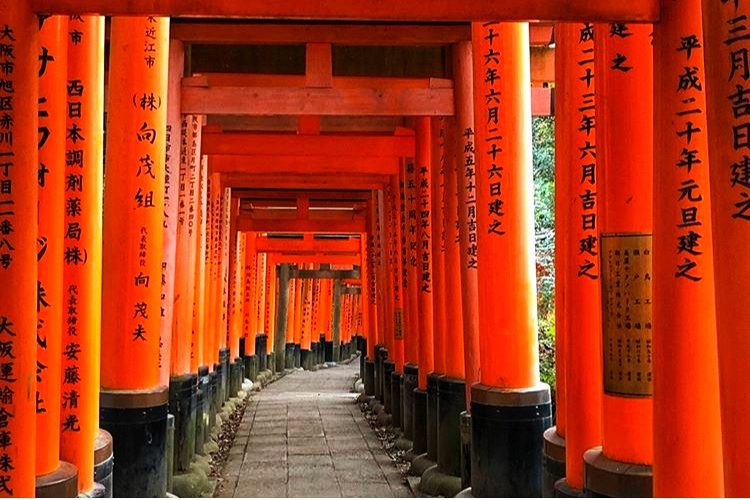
x=353, y=226
x=312, y=274
x=267, y=195
x=328, y=124
x=383, y=10
x=342, y=34
x=358, y=182
x=337, y=82
x=302, y=164
x=340, y=260
x=289, y=145
x=291, y=246
x=269, y=101
x=320, y=214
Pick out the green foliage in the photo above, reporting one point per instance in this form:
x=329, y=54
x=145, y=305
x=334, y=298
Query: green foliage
x=543, y=139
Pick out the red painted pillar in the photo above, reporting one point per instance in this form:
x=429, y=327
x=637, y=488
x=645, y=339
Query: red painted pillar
x=54, y=478
x=133, y=241
x=172, y=166
x=725, y=81
x=510, y=402
x=19, y=68
x=575, y=157
x=82, y=254
x=624, y=88
x=466, y=173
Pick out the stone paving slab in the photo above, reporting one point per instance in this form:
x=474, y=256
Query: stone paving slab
x=304, y=436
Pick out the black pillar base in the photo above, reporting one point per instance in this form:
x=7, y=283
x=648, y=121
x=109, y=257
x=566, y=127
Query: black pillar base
x=260, y=352
x=289, y=355
x=396, y=400
x=604, y=477
x=137, y=422
x=563, y=490
x=507, y=440
x=104, y=462
x=271, y=362
x=60, y=483
x=465, y=426
x=432, y=415
x=369, y=377
x=238, y=370
x=419, y=417
x=215, y=403
x=251, y=367
x=451, y=401
x=220, y=381
x=225, y=374
x=553, y=460
x=329, y=351
x=203, y=405
x=389, y=366
x=183, y=401
x=336, y=351
x=297, y=356
x=362, y=356
x=407, y=393
x=381, y=354
x=306, y=359
x=313, y=356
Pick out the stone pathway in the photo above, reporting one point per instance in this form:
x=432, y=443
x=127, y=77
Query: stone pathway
x=304, y=436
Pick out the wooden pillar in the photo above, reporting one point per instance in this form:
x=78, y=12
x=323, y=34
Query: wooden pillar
x=454, y=339
x=18, y=249
x=54, y=478
x=578, y=274
x=404, y=266
x=236, y=292
x=506, y=281
x=412, y=292
x=411, y=353
x=451, y=388
x=384, y=332
x=82, y=253
x=251, y=306
x=437, y=252
x=624, y=143
x=281, y=317
x=688, y=457
x=270, y=303
x=261, y=307
x=172, y=167
x=133, y=242
x=425, y=281
x=199, y=297
x=437, y=209
x=184, y=356
x=423, y=206
x=306, y=337
x=396, y=259
x=222, y=319
x=466, y=173
x=373, y=328
x=725, y=80
x=566, y=134
x=208, y=270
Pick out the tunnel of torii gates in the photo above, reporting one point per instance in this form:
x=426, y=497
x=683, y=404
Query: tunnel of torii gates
x=372, y=192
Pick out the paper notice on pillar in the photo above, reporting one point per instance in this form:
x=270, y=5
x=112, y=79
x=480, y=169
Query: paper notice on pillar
x=626, y=314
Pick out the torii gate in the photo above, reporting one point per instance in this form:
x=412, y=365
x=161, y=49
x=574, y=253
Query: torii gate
x=495, y=229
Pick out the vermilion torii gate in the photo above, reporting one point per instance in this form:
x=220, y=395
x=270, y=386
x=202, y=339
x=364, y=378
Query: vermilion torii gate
x=145, y=281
